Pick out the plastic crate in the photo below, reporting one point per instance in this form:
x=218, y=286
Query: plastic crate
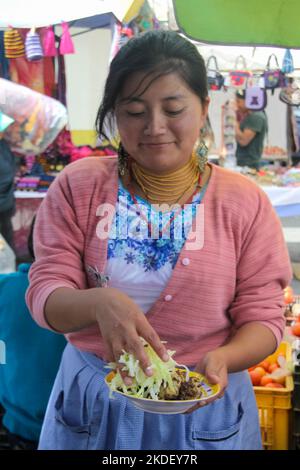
x=274, y=406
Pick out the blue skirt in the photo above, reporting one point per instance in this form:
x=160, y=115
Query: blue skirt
x=80, y=415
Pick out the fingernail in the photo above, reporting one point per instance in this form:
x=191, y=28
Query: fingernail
x=149, y=371
x=203, y=403
x=166, y=357
x=127, y=381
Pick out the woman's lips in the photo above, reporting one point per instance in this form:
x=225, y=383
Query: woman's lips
x=156, y=145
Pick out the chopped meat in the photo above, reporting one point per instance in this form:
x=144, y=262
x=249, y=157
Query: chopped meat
x=167, y=393
x=190, y=390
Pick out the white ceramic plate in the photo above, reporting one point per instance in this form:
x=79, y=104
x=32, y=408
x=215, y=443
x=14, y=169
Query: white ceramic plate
x=168, y=407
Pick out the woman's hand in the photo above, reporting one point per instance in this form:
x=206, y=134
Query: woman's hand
x=214, y=367
x=121, y=323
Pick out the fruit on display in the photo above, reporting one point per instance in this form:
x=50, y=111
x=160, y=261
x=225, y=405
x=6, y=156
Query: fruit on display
x=270, y=374
x=288, y=295
x=274, y=385
x=296, y=328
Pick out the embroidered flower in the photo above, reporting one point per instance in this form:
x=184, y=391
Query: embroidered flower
x=129, y=258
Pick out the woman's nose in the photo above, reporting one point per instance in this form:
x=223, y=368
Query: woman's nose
x=155, y=125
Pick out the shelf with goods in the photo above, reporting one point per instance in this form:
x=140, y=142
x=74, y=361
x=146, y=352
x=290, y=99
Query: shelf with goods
x=36, y=174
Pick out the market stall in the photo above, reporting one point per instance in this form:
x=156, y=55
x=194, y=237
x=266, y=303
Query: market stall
x=63, y=47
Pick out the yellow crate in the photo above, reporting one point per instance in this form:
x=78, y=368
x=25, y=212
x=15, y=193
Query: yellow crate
x=274, y=406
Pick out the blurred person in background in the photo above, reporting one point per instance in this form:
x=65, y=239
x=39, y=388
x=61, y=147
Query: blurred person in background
x=7, y=175
x=250, y=132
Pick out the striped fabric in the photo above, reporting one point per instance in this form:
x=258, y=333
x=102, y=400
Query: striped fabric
x=13, y=44
x=237, y=276
x=33, y=47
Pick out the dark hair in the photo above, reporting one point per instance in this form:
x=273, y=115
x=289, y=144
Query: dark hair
x=30, y=239
x=159, y=53
x=240, y=94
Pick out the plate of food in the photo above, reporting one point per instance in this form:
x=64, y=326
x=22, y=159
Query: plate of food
x=172, y=389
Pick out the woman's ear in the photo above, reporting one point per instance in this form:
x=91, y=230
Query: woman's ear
x=205, y=105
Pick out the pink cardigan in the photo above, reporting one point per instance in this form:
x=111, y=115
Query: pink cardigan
x=235, y=278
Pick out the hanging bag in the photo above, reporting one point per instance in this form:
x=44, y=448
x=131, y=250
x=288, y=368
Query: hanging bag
x=238, y=77
x=290, y=95
x=274, y=78
x=255, y=96
x=215, y=79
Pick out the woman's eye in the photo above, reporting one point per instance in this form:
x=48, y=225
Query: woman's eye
x=130, y=113
x=174, y=113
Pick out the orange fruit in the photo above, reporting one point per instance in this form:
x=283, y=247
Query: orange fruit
x=274, y=385
x=260, y=370
x=264, y=364
x=272, y=367
x=296, y=329
x=255, y=377
x=266, y=379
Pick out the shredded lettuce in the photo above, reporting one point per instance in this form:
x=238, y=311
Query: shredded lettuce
x=144, y=386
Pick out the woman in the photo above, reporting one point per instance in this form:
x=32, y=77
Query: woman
x=212, y=291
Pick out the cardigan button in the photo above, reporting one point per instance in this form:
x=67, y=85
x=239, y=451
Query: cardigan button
x=185, y=261
x=168, y=298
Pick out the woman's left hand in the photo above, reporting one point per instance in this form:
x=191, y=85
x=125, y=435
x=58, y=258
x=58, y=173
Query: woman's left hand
x=214, y=367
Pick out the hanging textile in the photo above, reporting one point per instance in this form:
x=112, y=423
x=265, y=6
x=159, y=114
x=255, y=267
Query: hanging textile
x=61, y=82
x=37, y=75
x=4, y=64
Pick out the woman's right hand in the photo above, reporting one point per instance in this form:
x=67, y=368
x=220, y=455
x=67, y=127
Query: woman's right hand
x=121, y=323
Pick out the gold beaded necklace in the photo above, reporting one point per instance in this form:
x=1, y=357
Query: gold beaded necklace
x=168, y=188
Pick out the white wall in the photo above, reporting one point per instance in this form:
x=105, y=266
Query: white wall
x=86, y=72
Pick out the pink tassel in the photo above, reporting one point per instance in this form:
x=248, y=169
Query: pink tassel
x=49, y=43
x=66, y=43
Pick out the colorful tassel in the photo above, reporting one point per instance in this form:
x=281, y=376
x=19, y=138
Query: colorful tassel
x=66, y=43
x=49, y=43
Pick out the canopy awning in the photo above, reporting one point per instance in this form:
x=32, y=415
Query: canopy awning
x=238, y=22
x=89, y=13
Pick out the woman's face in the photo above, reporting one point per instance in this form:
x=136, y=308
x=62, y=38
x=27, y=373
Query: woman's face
x=159, y=127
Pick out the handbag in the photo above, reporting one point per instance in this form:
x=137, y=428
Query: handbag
x=238, y=78
x=256, y=98
x=274, y=78
x=290, y=95
x=255, y=94
x=215, y=79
